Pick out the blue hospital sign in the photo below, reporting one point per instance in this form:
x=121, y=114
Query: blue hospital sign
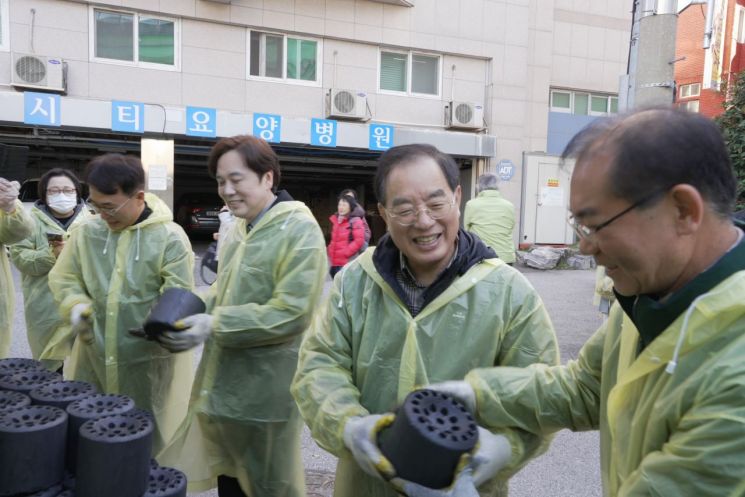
x=201, y=121
x=127, y=116
x=323, y=132
x=268, y=127
x=381, y=137
x=41, y=108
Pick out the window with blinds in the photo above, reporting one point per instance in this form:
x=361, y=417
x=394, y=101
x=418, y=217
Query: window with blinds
x=4, y=26
x=410, y=73
x=278, y=56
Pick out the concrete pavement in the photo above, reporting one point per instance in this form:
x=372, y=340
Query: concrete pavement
x=571, y=466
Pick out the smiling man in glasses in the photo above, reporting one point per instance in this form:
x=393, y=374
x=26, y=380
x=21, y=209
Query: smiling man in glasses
x=663, y=379
x=429, y=303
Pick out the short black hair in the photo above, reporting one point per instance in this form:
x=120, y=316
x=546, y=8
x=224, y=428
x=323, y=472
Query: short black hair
x=112, y=172
x=257, y=155
x=404, y=154
x=657, y=148
x=53, y=173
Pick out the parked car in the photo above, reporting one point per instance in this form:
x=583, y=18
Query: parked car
x=198, y=213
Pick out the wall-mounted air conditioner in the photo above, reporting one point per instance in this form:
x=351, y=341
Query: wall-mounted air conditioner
x=346, y=104
x=39, y=72
x=464, y=115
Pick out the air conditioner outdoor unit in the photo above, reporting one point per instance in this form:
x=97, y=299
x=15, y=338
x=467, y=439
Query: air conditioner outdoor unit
x=39, y=72
x=347, y=104
x=465, y=115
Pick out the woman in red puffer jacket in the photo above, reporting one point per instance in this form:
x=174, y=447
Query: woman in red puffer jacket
x=347, y=234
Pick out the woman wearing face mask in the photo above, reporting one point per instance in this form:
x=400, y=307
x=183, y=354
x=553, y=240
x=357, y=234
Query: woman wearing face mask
x=60, y=208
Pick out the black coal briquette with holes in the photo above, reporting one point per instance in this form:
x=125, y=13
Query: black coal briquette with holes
x=93, y=407
x=14, y=365
x=25, y=381
x=10, y=401
x=61, y=393
x=33, y=449
x=166, y=482
x=172, y=305
x=431, y=432
x=114, y=456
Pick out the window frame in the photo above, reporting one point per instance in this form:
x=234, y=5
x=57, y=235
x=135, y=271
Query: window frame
x=738, y=30
x=563, y=110
x=409, y=72
x=690, y=103
x=689, y=87
x=609, y=98
x=4, y=26
x=284, y=79
x=135, y=32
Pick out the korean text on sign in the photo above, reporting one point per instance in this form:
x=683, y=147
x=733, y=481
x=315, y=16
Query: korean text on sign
x=323, y=132
x=41, y=108
x=381, y=137
x=268, y=127
x=201, y=121
x=127, y=116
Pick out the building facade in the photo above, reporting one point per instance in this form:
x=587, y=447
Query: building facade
x=331, y=83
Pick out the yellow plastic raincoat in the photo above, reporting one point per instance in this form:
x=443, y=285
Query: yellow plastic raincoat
x=122, y=274
x=661, y=434
x=492, y=218
x=365, y=352
x=34, y=259
x=14, y=227
x=242, y=421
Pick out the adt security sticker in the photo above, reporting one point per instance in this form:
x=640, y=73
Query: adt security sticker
x=41, y=108
x=268, y=127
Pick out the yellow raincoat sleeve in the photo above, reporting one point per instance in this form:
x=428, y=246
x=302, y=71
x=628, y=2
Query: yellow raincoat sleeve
x=177, y=269
x=543, y=399
x=15, y=226
x=704, y=455
x=285, y=315
x=323, y=385
x=65, y=278
x=31, y=260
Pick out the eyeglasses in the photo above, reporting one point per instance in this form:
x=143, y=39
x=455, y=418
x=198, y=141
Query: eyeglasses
x=107, y=211
x=584, y=232
x=435, y=210
x=57, y=191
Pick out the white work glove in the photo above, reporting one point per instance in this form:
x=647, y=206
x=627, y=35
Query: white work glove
x=463, y=486
x=360, y=437
x=81, y=318
x=193, y=330
x=460, y=390
x=493, y=453
x=8, y=195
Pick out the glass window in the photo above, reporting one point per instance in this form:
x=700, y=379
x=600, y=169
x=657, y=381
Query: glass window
x=740, y=25
x=425, y=74
x=283, y=57
x=614, y=105
x=692, y=90
x=157, y=41
x=114, y=35
x=301, y=59
x=131, y=37
x=690, y=106
x=561, y=100
x=581, y=103
x=393, y=71
x=599, y=104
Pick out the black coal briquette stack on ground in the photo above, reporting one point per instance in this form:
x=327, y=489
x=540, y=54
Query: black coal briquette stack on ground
x=33, y=449
x=93, y=407
x=165, y=482
x=10, y=401
x=16, y=364
x=25, y=381
x=61, y=393
x=428, y=437
x=114, y=456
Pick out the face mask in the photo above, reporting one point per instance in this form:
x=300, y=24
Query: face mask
x=62, y=203
x=225, y=216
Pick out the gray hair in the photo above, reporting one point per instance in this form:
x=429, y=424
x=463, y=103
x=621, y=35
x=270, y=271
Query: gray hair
x=487, y=181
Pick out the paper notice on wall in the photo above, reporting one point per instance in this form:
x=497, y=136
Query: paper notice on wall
x=552, y=196
x=157, y=177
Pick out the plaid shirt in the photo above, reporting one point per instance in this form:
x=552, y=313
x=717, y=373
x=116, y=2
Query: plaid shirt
x=413, y=290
